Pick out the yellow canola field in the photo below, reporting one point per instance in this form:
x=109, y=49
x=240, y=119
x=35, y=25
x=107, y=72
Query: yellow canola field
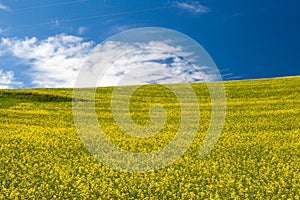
x=256, y=157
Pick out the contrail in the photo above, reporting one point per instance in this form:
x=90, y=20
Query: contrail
x=100, y=16
x=113, y=14
x=49, y=5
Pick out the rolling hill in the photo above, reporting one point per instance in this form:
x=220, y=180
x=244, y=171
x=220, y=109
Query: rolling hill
x=256, y=157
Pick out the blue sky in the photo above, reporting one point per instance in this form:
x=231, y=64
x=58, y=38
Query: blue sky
x=44, y=43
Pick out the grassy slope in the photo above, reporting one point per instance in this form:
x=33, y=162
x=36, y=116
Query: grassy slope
x=257, y=155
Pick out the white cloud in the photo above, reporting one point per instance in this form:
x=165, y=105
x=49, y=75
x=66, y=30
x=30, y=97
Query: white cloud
x=54, y=62
x=7, y=80
x=55, y=22
x=120, y=28
x=3, y=7
x=192, y=6
x=2, y=30
x=231, y=76
x=154, y=62
x=81, y=30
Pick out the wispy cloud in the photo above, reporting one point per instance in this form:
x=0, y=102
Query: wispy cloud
x=114, y=29
x=7, y=80
x=121, y=28
x=2, y=30
x=192, y=6
x=3, y=7
x=82, y=30
x=230, y=76
x=55, y=22
x=54, y=61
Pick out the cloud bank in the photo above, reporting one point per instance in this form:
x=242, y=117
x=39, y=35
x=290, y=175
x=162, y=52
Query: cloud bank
x=56, y=61
x=156, y=62
x=53, y=62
